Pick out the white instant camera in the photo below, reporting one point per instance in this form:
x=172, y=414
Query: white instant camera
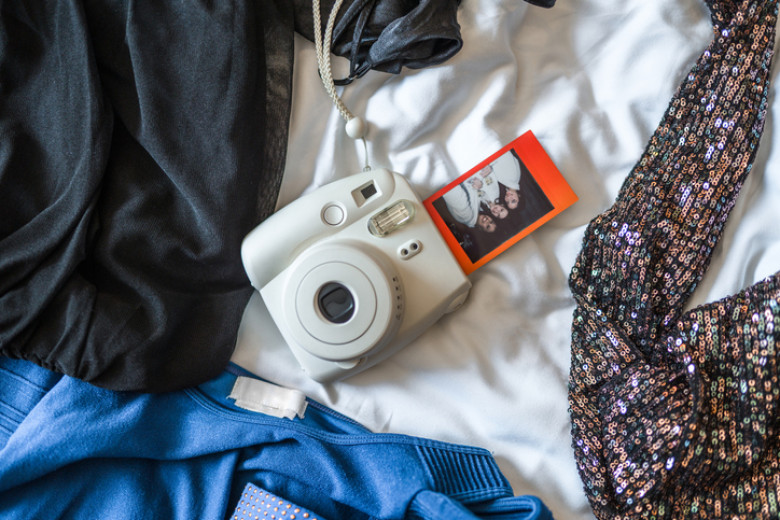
x=353, y=272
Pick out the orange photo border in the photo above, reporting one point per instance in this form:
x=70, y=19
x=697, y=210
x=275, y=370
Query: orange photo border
x=542, y=169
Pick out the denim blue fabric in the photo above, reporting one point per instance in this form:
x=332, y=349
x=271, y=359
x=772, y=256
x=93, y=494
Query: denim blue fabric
x=72, y=450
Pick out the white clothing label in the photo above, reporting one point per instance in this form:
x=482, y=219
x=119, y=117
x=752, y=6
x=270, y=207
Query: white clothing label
x=259, y=396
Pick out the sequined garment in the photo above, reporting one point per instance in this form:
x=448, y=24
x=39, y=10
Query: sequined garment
x=675, y=413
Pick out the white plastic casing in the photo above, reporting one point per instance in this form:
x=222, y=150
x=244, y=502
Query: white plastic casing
x=401, y=283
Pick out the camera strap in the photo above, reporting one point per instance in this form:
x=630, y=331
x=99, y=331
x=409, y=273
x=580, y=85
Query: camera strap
x=355, y=126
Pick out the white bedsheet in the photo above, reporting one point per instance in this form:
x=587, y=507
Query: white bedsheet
x=592, y=79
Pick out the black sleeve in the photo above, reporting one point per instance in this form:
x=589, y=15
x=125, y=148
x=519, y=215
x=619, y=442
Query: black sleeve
x=387, y=35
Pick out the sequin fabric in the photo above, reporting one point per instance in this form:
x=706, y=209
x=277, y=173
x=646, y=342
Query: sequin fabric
x=675, y=413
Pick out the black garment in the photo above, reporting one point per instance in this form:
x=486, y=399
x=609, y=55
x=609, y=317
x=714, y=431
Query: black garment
x=139, y=143
x=388, y=35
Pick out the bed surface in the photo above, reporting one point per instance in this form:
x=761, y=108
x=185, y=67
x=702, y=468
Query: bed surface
x=591, y=79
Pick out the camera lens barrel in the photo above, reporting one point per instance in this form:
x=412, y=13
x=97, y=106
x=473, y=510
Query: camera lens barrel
x=336, y=302
x=341, y=299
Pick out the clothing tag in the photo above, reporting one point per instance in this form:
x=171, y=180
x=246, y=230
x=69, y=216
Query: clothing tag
x=258, y=396
x=501, y=200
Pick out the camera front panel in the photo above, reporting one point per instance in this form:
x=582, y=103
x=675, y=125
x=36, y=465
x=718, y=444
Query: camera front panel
x=363, y=272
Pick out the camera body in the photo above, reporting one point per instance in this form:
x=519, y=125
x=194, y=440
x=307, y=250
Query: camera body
x=353, y=272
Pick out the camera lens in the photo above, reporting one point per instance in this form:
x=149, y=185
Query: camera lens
x=336, y=302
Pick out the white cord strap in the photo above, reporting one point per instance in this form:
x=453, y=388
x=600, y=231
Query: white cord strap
x=323, y=55
x=355, y=127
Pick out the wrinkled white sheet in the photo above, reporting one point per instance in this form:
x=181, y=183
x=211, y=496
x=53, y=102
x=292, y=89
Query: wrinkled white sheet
x=592, y=79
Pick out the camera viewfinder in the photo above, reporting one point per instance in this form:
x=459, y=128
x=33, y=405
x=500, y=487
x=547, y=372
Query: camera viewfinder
x=369, y=191
x=365, y=193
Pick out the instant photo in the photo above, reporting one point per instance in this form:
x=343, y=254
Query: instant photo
x=500, y=201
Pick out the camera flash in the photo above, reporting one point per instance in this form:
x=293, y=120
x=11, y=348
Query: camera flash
x=391, y=218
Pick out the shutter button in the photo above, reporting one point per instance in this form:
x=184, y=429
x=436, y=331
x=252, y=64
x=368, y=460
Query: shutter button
x=333, y=214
